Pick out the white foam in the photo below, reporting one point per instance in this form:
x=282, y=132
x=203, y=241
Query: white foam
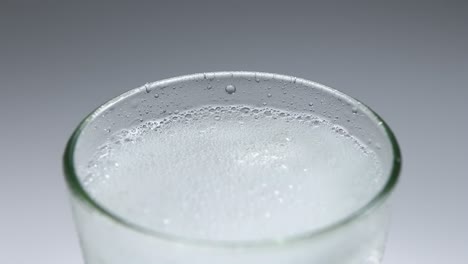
x=233, y=173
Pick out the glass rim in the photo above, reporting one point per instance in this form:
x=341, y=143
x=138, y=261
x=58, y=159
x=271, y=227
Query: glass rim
x=379, y=197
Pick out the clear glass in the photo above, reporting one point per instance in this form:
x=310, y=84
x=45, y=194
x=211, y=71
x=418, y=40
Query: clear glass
x=106, y=238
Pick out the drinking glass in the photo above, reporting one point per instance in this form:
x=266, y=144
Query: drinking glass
x=110, y=238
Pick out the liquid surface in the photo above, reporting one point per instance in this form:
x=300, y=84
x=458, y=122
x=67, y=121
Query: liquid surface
x=233, y=173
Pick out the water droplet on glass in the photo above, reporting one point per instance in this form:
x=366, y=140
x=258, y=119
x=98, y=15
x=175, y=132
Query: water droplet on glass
x=147, y=88
x=354, y=110
x=311, y=104
x=257, y=79
x=230, y=89
x=209, y=87
x=269, y=95
x=217, y=118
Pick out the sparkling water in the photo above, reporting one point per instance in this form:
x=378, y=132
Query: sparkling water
x=233, y=173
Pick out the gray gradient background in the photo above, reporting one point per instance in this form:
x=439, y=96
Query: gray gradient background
x=406, y=59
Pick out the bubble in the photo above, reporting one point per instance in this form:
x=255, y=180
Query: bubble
x=245, y=110
x=210, y=76
x=316, y=122
x=88, y=179
x=339, y=130
x=230, y=89
x=257, y=79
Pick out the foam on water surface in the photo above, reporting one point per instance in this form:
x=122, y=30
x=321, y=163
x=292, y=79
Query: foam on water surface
x=233, y=173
